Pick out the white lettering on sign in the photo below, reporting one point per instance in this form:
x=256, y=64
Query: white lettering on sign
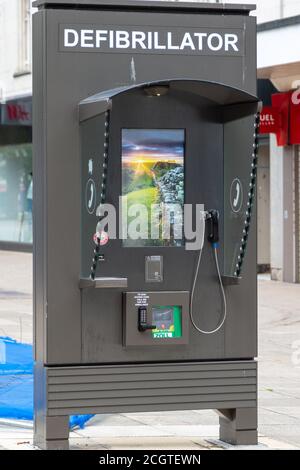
x=231, y=42
x=179, y=40
x=122, y=40
x=170, y=45
x=100, y=36
x=187, y=42
x=87, y=38
x=215, y=42
x=138, y=39
x=71, y=38
x=268, y=118
x=141, y=299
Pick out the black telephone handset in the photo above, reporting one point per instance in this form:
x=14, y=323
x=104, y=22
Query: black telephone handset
x=213, y=227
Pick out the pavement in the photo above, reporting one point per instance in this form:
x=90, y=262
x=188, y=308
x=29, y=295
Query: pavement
x=279, y=379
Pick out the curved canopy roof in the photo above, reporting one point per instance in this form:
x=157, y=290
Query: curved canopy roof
x=218, y=93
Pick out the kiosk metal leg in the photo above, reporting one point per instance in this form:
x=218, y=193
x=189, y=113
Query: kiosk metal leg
x=51, y=432
x=238, y=426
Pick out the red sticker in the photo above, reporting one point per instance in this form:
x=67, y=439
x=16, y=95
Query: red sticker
x=101, y=238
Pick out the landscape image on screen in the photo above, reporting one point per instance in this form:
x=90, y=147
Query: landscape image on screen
x=153, y=173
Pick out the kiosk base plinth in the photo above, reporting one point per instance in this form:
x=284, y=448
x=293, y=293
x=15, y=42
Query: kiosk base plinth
x=52, y=433
x=238, y=426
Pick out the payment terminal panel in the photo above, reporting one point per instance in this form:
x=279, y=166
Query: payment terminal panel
x=155, y=318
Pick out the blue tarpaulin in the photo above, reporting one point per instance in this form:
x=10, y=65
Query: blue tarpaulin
x=16, y=382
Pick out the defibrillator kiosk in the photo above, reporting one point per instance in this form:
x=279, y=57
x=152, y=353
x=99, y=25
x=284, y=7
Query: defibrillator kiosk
x=144, y=112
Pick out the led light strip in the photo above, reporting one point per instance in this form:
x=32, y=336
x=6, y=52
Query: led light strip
x=103, y=190
x=251, y=196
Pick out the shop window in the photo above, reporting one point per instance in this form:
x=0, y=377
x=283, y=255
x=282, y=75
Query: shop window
x=16, y=193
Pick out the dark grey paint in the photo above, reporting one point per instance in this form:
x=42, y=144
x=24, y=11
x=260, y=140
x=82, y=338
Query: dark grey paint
x=205, y=182
x=74, y=326
x=60, y=211
x=218, y=93
x=204, y=141
x=145, y=387
x=144, y=5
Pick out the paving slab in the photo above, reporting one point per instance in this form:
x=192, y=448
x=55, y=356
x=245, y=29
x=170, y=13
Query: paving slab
x=15, y=436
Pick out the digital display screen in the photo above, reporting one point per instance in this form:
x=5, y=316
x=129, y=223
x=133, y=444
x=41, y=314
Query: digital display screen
x=153, y=186
x=167, y=320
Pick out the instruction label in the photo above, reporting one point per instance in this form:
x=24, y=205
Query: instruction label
x=141, y=299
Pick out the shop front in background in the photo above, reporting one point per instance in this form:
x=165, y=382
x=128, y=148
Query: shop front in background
x=16, y=182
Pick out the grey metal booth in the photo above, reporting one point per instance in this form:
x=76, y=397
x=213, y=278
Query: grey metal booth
x=108, y=77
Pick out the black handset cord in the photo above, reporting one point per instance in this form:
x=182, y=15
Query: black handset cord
x=251, y=196
x=214, y=246
x=103, y=191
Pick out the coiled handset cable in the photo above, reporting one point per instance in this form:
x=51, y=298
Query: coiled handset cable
x=212, y=217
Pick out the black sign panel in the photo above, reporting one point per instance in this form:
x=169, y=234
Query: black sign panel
x=151, y=40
